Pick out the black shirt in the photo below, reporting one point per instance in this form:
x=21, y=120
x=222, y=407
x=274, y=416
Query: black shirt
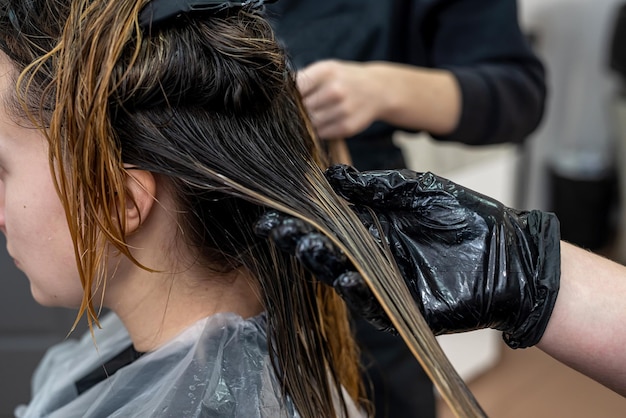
x=480, y=41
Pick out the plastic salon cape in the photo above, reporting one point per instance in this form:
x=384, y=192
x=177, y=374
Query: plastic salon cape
x=218, y=367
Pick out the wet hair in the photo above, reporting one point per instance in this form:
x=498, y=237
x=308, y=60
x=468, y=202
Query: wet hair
x=204, y=104
x=208, y=104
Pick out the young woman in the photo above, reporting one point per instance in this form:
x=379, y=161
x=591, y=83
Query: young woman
x=136, y=152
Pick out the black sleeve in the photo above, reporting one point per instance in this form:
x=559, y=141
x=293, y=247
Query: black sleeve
x=502, y=81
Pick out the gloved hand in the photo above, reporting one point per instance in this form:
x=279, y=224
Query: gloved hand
x=469, y=261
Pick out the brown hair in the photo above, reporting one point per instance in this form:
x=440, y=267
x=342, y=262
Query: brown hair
x=196, y=103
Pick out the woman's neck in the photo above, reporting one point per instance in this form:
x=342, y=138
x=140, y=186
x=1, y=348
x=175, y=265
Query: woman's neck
x=155, y=307
x=158, y=304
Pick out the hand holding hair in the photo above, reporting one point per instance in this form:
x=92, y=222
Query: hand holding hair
x=322, y=258
x=469, y=261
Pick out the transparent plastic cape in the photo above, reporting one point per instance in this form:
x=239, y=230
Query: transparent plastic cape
x=218, y=367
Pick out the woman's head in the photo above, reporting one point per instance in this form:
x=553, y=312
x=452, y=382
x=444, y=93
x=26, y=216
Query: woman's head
x=200, y=94
x=206, y=105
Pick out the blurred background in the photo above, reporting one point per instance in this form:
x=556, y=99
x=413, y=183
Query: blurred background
x=572, y=165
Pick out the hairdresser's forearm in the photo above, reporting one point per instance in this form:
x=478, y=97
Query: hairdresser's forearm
x=343, y=98
x=418, y=98
x=587, y=330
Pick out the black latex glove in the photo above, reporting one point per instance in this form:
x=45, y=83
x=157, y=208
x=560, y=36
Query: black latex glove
x=469, y=261
x=329, y=265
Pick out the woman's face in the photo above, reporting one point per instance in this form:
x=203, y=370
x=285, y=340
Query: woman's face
x=31, y=215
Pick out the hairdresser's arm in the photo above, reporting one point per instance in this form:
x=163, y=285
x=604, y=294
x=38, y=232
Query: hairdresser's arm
x=587, y=329
x=343, y=98
x=473, y=263
x=502, y=81
x=484, y=85
x=469, y=261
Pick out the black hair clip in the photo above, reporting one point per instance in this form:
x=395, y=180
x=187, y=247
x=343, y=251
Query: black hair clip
x=158, y=11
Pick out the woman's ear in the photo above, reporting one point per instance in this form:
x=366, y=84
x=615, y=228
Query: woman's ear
x=141, y=196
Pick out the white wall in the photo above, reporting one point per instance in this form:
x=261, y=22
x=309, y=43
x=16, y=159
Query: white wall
x=572, y=38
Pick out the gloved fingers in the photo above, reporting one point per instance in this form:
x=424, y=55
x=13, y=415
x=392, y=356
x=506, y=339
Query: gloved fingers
x=285, y=231
x=360, y=299
x=328, y=264
x=267, y=222
x=314, y=250
x=321, y=257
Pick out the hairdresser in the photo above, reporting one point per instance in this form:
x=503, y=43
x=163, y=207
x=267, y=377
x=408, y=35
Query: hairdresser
x=471, y=263
x=460, y=70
